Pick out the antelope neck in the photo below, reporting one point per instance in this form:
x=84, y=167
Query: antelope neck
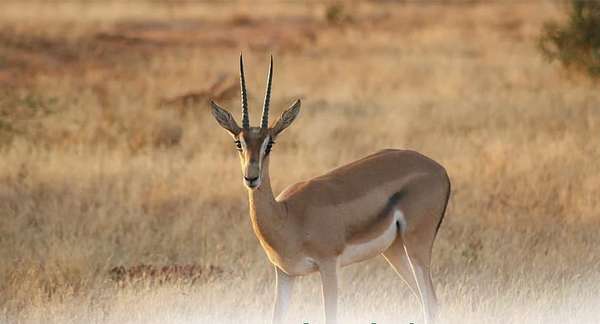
x=267, y=214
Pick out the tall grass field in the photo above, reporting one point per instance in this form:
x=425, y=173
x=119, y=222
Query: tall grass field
x=121, y=199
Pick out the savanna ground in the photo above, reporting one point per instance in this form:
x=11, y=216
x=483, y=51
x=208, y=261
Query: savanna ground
x=121, y=199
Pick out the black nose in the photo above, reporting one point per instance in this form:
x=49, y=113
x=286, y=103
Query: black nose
x=251, y=179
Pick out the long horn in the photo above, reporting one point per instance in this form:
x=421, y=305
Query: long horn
x=245, y=118
x=265, y=114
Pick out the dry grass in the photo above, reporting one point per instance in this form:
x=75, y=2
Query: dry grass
x=96, y=172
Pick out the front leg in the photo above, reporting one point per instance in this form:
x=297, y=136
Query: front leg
x=329, y=280
x=284, y=285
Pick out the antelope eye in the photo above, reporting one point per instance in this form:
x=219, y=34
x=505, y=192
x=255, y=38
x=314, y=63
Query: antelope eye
x=269, y=146
x=238, y=145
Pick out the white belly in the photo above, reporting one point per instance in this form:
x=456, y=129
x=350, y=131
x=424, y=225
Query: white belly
x=359, y=252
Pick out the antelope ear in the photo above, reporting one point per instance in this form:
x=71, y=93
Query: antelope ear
x=225, y=119
x=286, y=118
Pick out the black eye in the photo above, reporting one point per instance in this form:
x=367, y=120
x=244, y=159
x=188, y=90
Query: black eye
x=269, y=146
x=238, y=145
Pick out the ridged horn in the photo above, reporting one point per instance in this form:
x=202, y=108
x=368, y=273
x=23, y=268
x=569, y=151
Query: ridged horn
x=265, y=114
x=245, y=117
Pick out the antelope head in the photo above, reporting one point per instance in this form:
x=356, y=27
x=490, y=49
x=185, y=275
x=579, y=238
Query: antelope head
x=254, y=143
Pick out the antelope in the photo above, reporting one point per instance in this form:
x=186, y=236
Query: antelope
x=391, y=202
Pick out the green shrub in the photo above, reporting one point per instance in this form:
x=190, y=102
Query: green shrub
x=575, y=42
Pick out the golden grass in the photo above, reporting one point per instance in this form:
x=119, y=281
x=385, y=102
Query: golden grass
x=96, y=172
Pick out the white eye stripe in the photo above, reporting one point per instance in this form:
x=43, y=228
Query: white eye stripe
x=263, y=146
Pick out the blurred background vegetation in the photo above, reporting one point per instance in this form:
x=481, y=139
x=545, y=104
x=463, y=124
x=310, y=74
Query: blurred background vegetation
x=575, y=41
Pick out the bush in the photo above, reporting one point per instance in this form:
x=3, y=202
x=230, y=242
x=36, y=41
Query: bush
x=576, y=42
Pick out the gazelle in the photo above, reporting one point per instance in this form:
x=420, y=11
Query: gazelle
x=391, y=202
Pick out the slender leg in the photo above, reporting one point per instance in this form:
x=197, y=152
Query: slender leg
x=420, y=267
x=284, y=286
x=329, y=280
x=396, y=256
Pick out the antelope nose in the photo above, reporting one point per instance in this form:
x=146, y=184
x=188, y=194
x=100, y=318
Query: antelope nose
x=250, y=180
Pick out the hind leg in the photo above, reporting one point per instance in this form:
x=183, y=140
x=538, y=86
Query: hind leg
x=418, y=251
x=424, y=209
